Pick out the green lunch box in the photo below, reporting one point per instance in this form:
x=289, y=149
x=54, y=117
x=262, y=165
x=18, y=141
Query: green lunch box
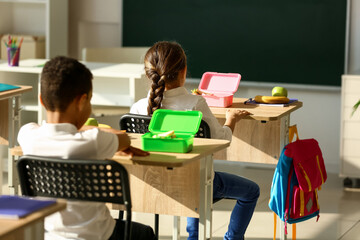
x=184, y=123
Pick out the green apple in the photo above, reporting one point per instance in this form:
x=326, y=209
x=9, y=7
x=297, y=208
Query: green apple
x=91, y=122
x=279, y=91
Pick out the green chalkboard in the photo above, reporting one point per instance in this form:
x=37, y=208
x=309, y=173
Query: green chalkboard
x=285, y=41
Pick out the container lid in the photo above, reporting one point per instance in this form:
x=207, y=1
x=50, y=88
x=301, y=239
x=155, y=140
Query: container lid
x=219, y=82
x=164, y=120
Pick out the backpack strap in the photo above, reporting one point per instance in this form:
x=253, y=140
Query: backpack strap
x=306, y=176
x=292, y=131
x=293, y=228
x=302, y=203
x=318, y=164
x=317, y=201
x=287, y=213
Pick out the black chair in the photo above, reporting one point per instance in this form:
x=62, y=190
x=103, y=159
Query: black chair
x=136, y=123
x=86, y=180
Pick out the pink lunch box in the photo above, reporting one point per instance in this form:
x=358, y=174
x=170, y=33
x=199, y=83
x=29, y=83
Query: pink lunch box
x=222, y=86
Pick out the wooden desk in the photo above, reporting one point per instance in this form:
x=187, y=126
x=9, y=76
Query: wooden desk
x=260, y=137
x=10, y=119
x=32, y=226
x=118, y=85
x=178, y=184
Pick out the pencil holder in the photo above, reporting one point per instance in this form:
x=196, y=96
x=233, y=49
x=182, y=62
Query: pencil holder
x=13, y=56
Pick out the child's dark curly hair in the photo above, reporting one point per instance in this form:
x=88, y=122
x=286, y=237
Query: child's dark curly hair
x=62, y=80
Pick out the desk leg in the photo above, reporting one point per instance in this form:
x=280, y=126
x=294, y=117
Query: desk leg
x=14, y=125
x=284, y=140
x=35, y=231
x=176, y=228
x=13, y=181
x=205, y=205
x=284, y=132
x=283, y=236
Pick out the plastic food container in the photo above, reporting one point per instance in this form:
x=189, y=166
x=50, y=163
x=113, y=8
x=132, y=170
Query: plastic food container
x=184, y=123
x=222, y=86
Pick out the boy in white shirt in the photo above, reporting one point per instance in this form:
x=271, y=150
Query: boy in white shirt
x=165, y=66
x=66, y=91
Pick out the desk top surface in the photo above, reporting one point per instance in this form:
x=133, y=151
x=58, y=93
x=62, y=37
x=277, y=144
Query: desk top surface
x=202, y=148
x=8, y=226
x=98, y=69
x=14, y=92
x=262, y=113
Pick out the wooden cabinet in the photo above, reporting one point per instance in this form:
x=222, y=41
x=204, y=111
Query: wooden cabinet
x=350, y=127
x=38, y=17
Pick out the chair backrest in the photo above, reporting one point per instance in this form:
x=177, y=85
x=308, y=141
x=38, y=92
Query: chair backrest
x=136, y=123
x=115, y=55
x=88, y=180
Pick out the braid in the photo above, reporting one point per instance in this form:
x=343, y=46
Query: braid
x=156, y=93
x=163, y=62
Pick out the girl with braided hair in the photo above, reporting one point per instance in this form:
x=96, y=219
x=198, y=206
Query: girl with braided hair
x=165, y=66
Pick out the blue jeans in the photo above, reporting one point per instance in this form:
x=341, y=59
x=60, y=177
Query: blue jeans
x=230, y=186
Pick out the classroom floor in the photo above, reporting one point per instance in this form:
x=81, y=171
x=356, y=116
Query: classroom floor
x=339, y=214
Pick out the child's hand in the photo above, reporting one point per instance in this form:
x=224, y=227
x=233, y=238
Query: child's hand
x=236, y=114
x=132, y=151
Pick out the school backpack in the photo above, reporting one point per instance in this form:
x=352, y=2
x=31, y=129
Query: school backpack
x=298, y=176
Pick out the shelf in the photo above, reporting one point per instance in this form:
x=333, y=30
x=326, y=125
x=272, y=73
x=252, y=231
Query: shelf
x=45, y=17
x=29, y=104
x=30, y=108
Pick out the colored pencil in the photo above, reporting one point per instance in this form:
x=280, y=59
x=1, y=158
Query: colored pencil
x=17, y=52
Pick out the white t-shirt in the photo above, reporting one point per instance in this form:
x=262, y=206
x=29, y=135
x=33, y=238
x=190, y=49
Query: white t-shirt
x=180, y=99
x=80, y=220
